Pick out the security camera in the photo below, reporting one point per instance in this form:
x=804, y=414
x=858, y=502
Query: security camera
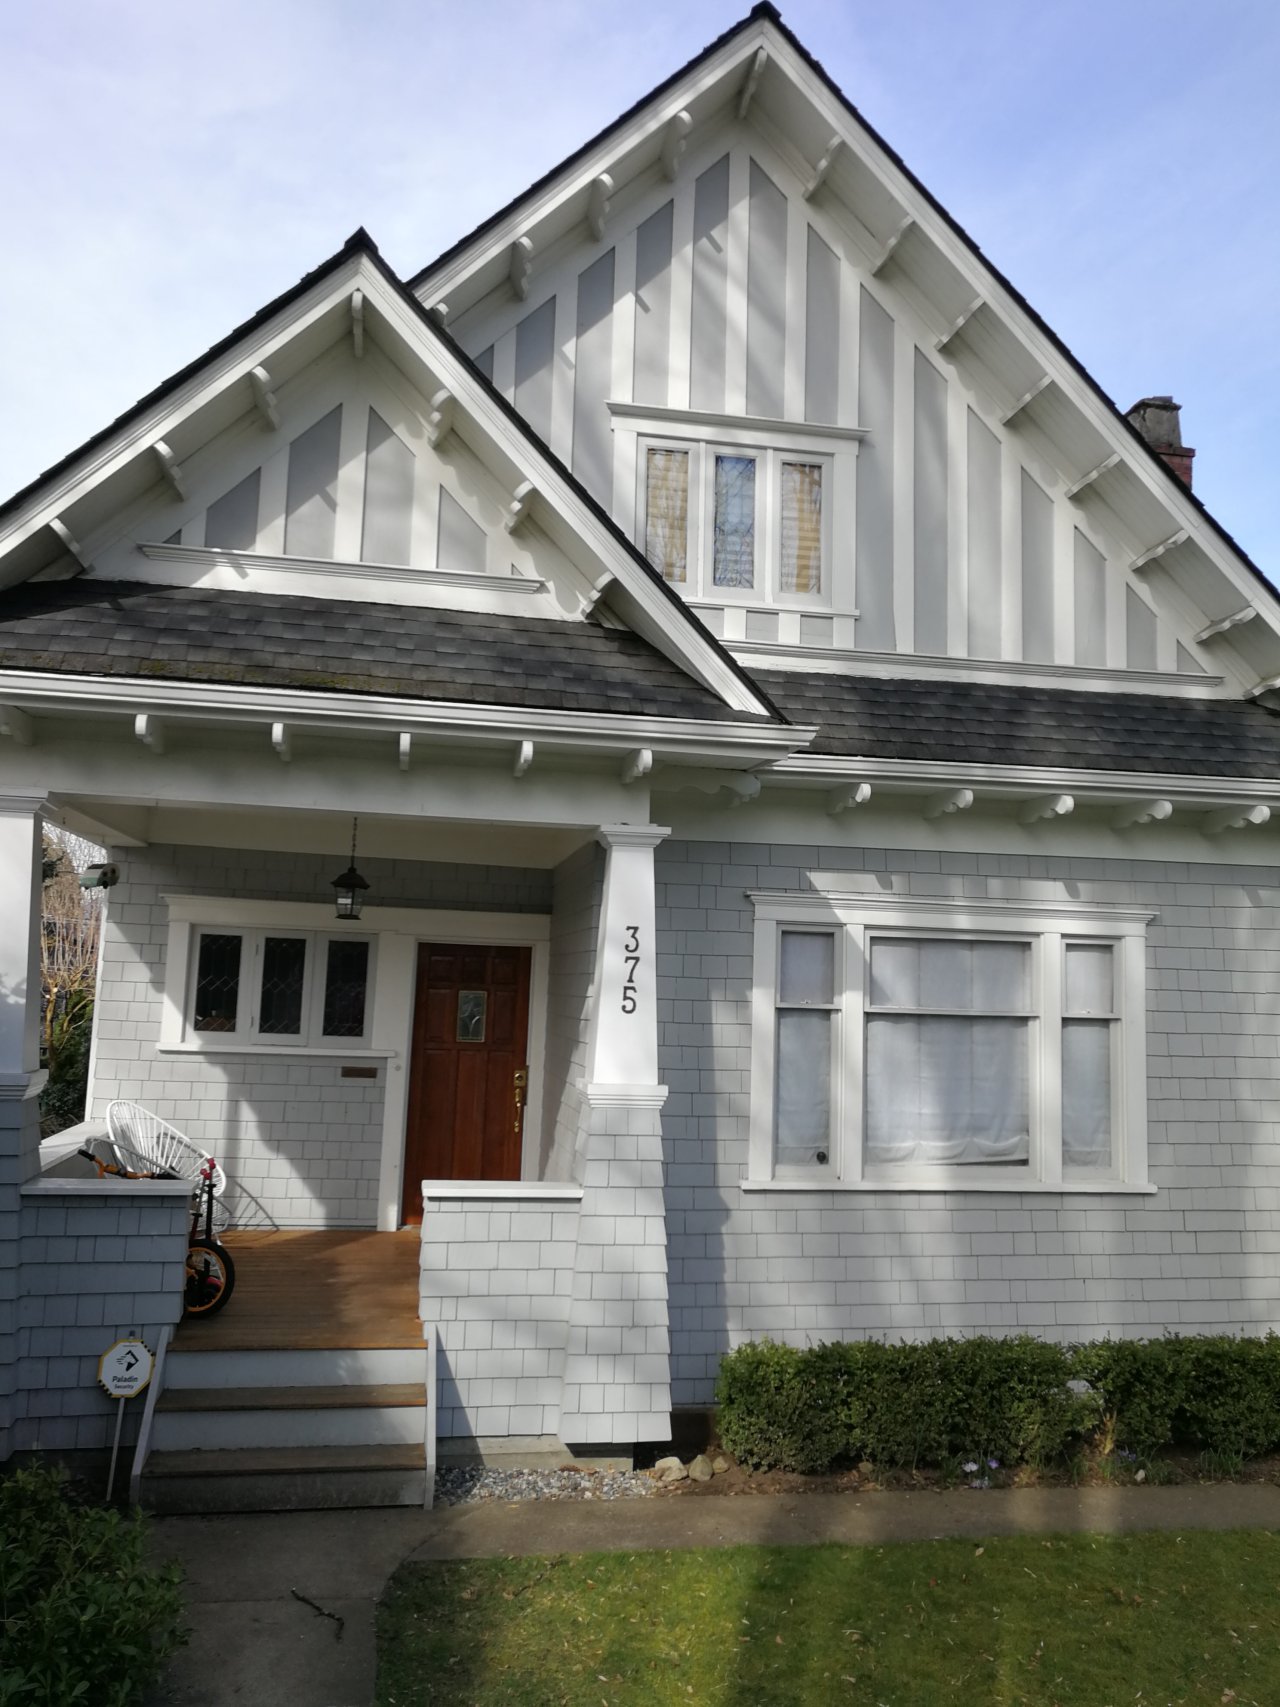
x=99, y=876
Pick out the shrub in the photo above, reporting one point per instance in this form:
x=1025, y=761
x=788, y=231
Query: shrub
x=1209, y=1391
x=1008, y=1399
x=779, y=1407
x=784, y=1408
x=82, y=1617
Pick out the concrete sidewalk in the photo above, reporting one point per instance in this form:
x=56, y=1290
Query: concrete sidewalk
x=256, y=1644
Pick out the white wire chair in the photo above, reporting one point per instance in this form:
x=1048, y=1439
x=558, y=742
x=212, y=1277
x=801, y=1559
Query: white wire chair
x=143, y=1143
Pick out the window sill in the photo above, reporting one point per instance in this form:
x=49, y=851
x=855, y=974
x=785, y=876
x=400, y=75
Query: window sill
x=956, y=1188
x=279, y=1052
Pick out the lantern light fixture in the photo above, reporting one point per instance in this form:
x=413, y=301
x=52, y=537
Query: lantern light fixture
x=349, y=886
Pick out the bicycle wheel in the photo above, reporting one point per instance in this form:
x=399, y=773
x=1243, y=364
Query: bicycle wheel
x=211, y=1277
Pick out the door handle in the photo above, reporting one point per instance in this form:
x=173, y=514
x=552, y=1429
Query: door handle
x=520, y=1082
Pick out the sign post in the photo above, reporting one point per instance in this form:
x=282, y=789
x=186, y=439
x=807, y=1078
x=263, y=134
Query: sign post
x=124, y=1370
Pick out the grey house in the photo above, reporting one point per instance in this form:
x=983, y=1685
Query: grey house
x=814, y=763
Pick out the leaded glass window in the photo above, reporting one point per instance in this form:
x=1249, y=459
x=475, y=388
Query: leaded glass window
x=734, y=536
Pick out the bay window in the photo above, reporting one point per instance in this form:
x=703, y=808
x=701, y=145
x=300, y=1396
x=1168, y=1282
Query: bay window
x=925, y=1045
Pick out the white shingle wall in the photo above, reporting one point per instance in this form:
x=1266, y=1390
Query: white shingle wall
x=299, y=1142
x=1202, y=1255
x=496, y=1276
x=574, y=925
x=617, y=1375
x=94, y=1270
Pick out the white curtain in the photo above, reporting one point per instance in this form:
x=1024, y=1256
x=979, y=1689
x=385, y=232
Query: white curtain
x=951, y=1087
x=802, y=1069
x=666, y=531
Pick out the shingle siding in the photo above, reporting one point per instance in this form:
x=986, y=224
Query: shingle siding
x=1201, y=1255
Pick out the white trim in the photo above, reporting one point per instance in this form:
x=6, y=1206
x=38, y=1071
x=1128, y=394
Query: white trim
x=923, y=666
x=109, y=1185
x=847, y=906
x=758, y=431
x=292, y=1051
x=954, y=1192
x=429, y=923
x=610, y=732
x=536, y=1191
x=1047, y=926
x=623, y=1096
x=245, y=568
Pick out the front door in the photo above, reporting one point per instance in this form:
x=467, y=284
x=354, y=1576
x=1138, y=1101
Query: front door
x=469, y=1067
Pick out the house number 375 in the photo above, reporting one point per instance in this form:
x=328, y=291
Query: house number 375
x=631, y=962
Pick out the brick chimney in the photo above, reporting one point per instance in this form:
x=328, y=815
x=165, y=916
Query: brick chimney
x=1157, y=419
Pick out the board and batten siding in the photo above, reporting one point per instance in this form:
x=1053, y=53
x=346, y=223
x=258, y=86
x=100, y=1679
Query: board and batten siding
x=1201, y=1255
x=728, y=294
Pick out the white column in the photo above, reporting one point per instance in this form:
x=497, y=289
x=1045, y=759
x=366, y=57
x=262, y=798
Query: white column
x=617, y=1369
x=624, y=1023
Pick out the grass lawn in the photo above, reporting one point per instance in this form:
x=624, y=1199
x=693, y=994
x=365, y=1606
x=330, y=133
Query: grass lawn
x=1082, y=1622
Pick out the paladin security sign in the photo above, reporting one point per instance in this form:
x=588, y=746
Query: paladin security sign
x=124, y=1369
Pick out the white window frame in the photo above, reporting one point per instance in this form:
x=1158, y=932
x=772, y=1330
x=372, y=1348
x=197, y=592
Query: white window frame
x=699, y=582
x=247, y=1029
x=1047, y=926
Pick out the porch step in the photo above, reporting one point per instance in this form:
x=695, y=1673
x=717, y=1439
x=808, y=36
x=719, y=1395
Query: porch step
x=308, y=1478
x=325, y=1367
x=216, y=1418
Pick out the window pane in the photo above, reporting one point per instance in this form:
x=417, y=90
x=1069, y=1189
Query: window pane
x=666, y=509
x=1086, y=1094
x=980, y=977
x=807, y=967
x=802, y=1107
x=947, y=1090
x=346, y=979
x=801, y=527
x=217, y=983
x=734, y=553
x=1090, y=979
x=283, y=962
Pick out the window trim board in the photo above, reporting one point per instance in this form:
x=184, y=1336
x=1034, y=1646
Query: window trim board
x=852, y=917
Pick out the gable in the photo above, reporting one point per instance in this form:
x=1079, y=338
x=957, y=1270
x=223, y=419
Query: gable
x=768, y=282
x=336, y=431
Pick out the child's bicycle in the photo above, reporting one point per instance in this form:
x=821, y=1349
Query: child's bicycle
x=211, y=1274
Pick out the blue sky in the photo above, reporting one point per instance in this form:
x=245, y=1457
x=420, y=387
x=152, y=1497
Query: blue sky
x=170, y=167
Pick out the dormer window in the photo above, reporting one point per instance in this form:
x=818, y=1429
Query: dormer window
x=724, y=521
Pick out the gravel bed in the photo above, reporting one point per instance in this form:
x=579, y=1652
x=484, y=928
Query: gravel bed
x=459, y=1485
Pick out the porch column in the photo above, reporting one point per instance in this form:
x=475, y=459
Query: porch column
x=20, y=1075
x=617, y=1379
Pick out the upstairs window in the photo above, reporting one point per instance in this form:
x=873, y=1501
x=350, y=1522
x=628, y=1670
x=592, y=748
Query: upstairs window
x=723, y=522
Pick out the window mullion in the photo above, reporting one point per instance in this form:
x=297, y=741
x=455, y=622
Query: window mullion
x=1047, y=1058
x=851, y=1023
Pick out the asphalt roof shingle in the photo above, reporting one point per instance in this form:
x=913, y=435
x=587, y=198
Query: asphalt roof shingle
x=993, y=723
x=219, y=635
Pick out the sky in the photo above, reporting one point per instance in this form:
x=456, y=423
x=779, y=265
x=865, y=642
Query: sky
x=171, y=165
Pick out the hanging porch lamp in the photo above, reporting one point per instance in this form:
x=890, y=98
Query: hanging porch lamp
x=349, y=886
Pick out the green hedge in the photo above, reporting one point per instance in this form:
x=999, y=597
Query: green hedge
x=83, y=1618
x=1017, y=1401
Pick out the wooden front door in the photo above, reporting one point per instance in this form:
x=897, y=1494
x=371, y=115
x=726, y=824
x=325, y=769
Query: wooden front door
x=469, y=1067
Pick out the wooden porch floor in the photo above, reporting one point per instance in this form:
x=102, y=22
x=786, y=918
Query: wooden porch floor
x=304, y=1290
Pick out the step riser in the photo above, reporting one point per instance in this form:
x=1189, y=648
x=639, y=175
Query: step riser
x=208, y=1431
x=355, y=1368
x=305, y=1491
